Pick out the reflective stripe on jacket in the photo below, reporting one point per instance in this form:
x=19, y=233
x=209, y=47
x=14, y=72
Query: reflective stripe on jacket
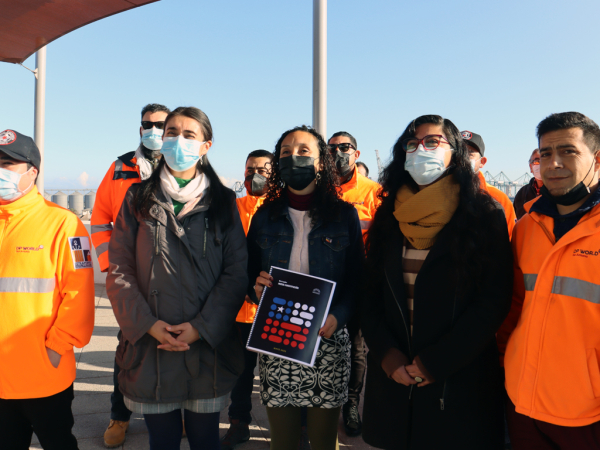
x=361, y=192
x=247, y=207
x=45, y=301
x=502, y=198
x=109, y=197
x=552, y=356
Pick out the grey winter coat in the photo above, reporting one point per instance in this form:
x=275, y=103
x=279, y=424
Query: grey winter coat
x=188, y=271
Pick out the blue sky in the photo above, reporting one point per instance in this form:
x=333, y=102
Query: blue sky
x=495, y=68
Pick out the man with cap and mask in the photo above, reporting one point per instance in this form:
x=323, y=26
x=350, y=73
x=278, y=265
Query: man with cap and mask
x=476, y=149
x=532, y=189
x=47, y=298
x=130, y=168
x=361, y=192
x=256, y=175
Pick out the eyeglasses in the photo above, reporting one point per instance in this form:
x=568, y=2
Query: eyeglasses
x=146, y=125
x=430, y=142
x=344, y=148
x=535, y=162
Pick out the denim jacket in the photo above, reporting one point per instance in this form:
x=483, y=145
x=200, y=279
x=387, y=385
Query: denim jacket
x=335, y=252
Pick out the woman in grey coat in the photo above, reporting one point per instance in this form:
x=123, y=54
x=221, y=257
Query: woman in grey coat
x=176, y=281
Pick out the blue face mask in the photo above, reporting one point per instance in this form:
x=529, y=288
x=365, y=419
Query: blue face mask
x=9, y=184
x=426, y=166
x=152, y=138
x=180, y=153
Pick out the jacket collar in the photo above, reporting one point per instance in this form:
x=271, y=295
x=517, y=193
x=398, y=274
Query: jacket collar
x=128, y=159
x=28, y=201
x=352, y=183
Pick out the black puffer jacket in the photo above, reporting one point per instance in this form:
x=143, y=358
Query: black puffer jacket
x=188, y=271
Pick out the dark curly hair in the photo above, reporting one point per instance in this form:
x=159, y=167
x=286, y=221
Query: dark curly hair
x=327, y=195
x=471, y=222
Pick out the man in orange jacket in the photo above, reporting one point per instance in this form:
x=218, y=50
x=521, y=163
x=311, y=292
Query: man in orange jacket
x=478, y=160
x=47, y=298
x=553, y=354
x=130, y=168
x=361, y=192
x=256, y=174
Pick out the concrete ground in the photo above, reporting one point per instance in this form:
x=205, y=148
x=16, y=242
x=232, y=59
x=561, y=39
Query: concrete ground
x=94, y=384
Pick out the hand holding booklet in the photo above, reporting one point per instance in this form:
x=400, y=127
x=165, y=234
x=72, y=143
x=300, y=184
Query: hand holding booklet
x=289, y=316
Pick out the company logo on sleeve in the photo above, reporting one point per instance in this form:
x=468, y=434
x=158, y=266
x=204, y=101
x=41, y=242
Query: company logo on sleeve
x=81, y=252
x=585, y=253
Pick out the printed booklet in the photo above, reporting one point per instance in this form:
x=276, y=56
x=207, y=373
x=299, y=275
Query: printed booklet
x=290, y=315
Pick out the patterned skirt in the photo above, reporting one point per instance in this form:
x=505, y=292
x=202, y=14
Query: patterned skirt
x=285, y=383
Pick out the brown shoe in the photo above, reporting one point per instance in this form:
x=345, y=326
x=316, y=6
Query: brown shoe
x=115, y=433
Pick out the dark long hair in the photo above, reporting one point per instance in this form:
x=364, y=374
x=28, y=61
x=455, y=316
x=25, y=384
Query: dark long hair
x=327, y=195
x=470, y=224
x=220, y=196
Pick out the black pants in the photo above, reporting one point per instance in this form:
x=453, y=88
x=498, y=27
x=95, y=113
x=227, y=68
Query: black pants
x=164, y=430
x=241, y=401
x=118, y=410
x=358, y=362
x=50, y=418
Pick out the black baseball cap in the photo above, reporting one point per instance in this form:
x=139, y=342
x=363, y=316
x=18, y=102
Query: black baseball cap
x=20, y=147
x=474, y=140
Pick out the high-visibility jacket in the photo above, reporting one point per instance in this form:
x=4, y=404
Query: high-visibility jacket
x=109, y=197
x=362, y=192
x=247, y=207
x=502, y=198
x=46, y=296
x=552, y=356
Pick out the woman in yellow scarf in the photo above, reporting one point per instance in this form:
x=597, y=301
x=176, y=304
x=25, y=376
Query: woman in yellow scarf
x=439, y=269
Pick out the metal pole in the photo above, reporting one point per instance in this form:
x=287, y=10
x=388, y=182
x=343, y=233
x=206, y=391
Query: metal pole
x=40, y=110
x=320, y=66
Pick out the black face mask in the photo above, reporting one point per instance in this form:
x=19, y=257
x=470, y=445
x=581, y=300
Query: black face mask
x=256, y=185
x=342, y=162
x=297, y=171
x=575, y=195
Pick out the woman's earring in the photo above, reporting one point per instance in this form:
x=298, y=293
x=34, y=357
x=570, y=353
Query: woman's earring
x=202, y=160
x=318, y=177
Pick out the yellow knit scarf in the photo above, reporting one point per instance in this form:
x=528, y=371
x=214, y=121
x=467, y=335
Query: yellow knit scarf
x=423, y=214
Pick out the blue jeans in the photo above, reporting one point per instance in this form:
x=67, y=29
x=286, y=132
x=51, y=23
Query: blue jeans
x=241, y=401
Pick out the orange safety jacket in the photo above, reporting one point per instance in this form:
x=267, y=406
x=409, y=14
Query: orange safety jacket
x=46, y=293
x=502, y=198
x=362, y=192
x=110, y=195
x=247, y=207
x=552, y=356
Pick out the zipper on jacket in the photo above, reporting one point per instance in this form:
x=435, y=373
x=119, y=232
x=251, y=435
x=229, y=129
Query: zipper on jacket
x=157, y=238
x=154, y=293
x=402, y=314
x=443, y=396
x=205, y=233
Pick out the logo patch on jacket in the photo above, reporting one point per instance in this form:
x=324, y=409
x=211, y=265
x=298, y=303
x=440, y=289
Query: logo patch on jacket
x=81, y=252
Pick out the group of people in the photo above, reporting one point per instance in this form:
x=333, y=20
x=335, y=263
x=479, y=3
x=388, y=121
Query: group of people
x=467, y=314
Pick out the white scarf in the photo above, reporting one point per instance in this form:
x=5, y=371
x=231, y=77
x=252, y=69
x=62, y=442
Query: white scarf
x=193, y=190
x=145, y=166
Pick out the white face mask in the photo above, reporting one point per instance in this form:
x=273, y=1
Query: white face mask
x=536, y=172
x=9, y=184
x=152, y=138
x=426, y=166
x=473, y=162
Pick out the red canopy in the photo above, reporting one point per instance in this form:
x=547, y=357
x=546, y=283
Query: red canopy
x=28, y=25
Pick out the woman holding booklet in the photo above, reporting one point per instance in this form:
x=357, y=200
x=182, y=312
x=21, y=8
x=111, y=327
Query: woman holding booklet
x=305, y=227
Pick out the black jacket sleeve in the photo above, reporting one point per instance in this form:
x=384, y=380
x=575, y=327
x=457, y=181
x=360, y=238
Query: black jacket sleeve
x=478, y=323
x=344, y=305
x=224, y=301
x=129, y=305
